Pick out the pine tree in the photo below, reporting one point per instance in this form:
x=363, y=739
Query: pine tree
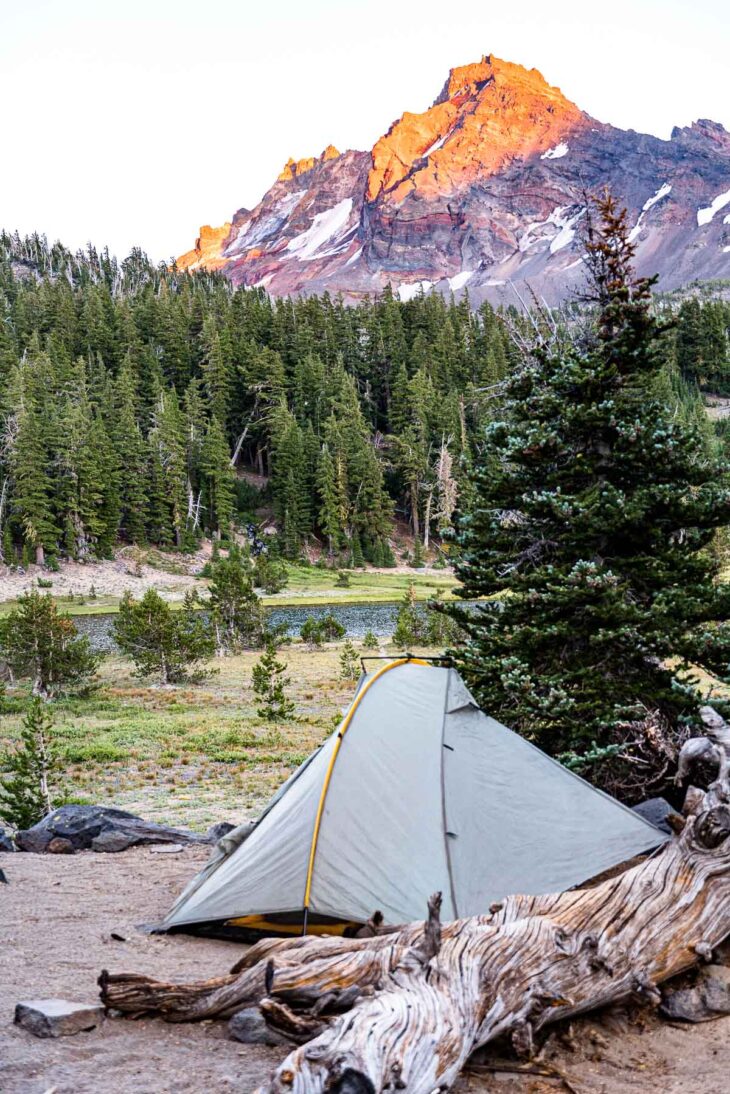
x=42, y=644
x=167, y=439
x=269, y=685
x=129, y=446
x=595, y=508
x=235, y=610
x=29, y=789
x=162, y=643
x=333, y=498
x=409, y=625
x=32, y=484
x=349, y=662
x=219, y=480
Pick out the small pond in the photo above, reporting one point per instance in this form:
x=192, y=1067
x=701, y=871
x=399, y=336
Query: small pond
x=357, y=619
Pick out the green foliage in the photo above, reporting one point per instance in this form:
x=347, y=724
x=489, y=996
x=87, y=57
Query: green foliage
x=369, y=641
x=163, y=643
x=596, y=505
x=410, y=626
x=315, y=631
x=269, y=684
x=330, y=628
x=349, y=662
x=593, y=754
x=127, y=390
x=42, y=644
x=343, y=580
x=29, y=782
x=702, y=344
x=270, y=574
x=236, y=613
x=310, y=632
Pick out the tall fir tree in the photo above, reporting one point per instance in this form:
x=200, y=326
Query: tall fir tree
x=591, y=533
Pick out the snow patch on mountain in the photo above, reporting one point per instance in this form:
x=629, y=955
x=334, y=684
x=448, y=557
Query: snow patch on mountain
x=435, y=146
x=658, y=196
x=459, y=280
x=555, y=153
x=325, y=227
x=408, y=292
x=256, y=231
x=566, y=233
x=704, y=216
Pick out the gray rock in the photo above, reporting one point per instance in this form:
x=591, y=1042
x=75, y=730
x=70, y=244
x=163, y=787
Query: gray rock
x=167, y=848
x=250, y=1027
x=656, y=811
x=57, y=1017
x=6, y=841
x=85, y=825
x=112, y=841
x=708, y=999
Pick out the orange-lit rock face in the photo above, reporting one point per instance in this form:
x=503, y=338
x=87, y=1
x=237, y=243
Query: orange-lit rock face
x=484, y=190
x=487, y=115
x=208, y=250
x=294, y=168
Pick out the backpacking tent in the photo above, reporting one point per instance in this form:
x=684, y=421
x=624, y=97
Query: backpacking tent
x=416, y=791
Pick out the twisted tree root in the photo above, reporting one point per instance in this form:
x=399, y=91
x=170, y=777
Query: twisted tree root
x=422, y=999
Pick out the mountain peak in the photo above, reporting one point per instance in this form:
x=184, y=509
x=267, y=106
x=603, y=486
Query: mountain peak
x=208, y=251
x=294, y=168
x=483, y=190
x=488, y=112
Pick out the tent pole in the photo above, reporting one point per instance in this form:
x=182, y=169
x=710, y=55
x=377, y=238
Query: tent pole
x=305, y=919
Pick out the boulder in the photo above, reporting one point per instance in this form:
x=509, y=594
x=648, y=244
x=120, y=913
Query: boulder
x=6, y=841
x=708, y=999
x=57, y=1017
x=99, y=828
x=249, y=1026
x=656, y=811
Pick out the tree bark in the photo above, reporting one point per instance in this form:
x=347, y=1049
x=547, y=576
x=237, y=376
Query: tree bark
x=419, y=1001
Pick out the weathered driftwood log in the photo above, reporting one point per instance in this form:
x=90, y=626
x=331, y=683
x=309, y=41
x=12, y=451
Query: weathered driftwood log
x=422, y=999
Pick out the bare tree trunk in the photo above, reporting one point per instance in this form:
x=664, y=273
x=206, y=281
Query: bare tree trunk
x=419, y=1001
x=238, y=447
x=427, y=517
x=3, y=502
x=414, y=510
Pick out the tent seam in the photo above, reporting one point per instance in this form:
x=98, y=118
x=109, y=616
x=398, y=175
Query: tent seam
x=447, y=851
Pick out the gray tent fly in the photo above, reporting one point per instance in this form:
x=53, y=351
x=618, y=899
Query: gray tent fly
x=417, y=791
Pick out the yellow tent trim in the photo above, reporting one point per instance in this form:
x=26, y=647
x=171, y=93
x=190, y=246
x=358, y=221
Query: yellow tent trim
x=333, y=758
x=270, y=926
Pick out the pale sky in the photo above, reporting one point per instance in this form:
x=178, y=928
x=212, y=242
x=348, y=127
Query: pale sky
x=133, y=121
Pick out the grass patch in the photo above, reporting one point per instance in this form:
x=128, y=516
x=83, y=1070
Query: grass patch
x=189, y=756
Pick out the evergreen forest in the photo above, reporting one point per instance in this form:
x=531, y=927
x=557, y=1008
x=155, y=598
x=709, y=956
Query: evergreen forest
x=139, y=404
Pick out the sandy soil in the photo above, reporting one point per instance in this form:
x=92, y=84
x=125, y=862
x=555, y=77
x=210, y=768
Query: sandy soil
x=56, y=918
x=112, y=578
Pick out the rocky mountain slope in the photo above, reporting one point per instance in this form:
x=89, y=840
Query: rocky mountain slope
x=483, y=192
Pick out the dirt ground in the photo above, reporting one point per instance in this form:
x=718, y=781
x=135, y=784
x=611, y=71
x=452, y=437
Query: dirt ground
x=56, y=918
x=127, y=572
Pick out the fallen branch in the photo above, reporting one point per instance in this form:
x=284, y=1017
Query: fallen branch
x=423, y=999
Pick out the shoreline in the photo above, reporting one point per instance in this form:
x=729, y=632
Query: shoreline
x=97, y=588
